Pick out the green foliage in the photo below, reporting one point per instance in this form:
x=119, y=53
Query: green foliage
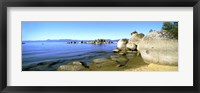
x=125, y=40
x=140, y=35
x=134, y=32
x=151, y=30
x=171, y=26
x=167, y=26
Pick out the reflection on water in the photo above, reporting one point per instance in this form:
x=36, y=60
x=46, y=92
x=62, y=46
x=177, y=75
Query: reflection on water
x=60, y=52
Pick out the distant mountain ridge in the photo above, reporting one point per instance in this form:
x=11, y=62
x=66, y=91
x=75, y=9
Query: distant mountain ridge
x=66, y=40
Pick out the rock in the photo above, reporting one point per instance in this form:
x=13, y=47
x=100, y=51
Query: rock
x=100, y=60
x=103, y=64
x=122, y=53
x=120, y=59
x=131, y=45
x=135, y=38
x=114, y=57
x=121, y=44
x=131, y=56
x=116, y=50
x=118, y=65
x=99, y=41
x=159, y=47
x=130, y=51
x=72, y=66
x=75, y=63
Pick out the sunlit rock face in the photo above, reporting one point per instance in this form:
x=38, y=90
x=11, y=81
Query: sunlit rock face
x=134, y=40
x=121, y=44
x=160, y=47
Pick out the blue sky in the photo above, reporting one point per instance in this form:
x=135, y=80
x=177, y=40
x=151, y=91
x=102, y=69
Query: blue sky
x=84, y=30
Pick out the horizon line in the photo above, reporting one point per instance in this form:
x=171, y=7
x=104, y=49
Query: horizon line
x=68, y=39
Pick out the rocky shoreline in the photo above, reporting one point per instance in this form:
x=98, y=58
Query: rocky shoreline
x=96, y=41
x=157, y=51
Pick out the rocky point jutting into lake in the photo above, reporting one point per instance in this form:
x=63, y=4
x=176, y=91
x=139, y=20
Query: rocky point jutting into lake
x=96, y=41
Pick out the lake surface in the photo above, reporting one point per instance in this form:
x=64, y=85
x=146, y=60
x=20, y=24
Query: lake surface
x=38, y=52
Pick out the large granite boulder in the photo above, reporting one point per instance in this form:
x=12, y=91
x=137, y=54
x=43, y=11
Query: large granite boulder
x=131, y=45
x=121, y=44
x=134, y=40
x=160, y=47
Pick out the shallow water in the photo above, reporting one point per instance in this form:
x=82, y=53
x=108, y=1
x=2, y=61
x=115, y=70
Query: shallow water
x=39, y=52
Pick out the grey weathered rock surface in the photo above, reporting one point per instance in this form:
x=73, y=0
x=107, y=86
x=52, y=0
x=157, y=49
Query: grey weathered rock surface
x=131, y=45
x=159, y=47
x=121, y=44
x=134, y=40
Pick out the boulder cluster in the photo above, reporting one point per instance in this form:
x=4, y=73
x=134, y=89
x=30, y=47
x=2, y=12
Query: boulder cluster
x=158, y=47
x=157, y=50
x=99, y=41
x=96, y=41
x=125, y=45
x=112, y=63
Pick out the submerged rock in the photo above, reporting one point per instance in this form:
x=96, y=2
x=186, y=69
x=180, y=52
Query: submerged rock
x=44, y=66
x=72, y=66
x=116, y=50
x=103, y=64
x=101, y=60
x=160, y=47
x=122, y=60
x=130, y=51
x=122, y=53
x=39, y=68
x=130, y=56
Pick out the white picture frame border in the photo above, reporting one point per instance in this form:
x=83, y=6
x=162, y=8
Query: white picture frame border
x=182, y=77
